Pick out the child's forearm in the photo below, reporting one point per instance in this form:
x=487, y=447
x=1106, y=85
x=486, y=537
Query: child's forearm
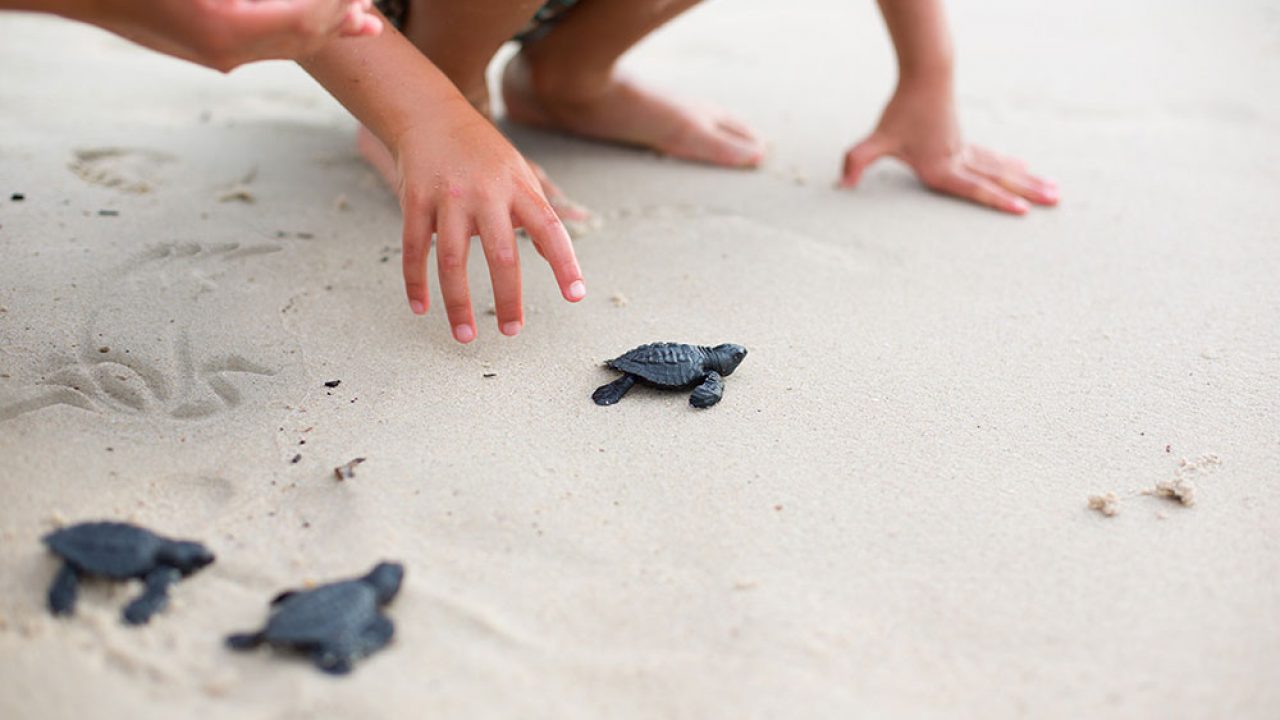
x=385, y=82
x=920, y=39
x=71, y=9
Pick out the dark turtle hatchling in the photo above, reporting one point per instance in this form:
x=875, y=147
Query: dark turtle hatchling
x=336, y=624
x=674, y=366
x=120, y=551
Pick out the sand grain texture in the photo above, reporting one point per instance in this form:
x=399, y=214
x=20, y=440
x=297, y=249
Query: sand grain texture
x=884, y=516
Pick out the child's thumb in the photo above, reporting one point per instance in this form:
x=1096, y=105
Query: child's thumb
x=860, y=157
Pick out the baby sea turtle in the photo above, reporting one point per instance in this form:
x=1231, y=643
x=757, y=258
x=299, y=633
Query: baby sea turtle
x=120, y=551
x=337, y=623
x=674, y=366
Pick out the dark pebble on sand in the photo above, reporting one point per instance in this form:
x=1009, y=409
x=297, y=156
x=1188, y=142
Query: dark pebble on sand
x=296, y=459
x=17, y=197
x=108, y=213
x=333, y=383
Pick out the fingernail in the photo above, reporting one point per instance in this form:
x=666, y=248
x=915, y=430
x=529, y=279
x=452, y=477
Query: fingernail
x=577, y=290
x=464, y=333
x=417, y=307
x=1020, y=206
x=511, y=329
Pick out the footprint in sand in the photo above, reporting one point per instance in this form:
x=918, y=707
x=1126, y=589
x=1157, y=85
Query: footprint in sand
x=133, y=171
x=104, y=380
x=154, y=344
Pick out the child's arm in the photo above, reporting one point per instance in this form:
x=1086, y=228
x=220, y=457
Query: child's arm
x=220, y=34
x=458, y=177
x=919, y=125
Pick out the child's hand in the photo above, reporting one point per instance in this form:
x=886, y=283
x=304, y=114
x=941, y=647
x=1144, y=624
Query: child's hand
x=460, y=177
x=919, y=128
x=224, y=34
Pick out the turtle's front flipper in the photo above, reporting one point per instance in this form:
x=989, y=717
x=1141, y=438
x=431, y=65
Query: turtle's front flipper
x=154, y=598
x=376, y=635
x=613, y=392
x=62, y=593
x=335, y=659
x=709, y=392
x=245, y=641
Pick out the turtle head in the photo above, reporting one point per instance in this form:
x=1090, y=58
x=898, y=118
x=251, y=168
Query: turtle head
x=726, y=358
x=186, y=556
x=385, y=579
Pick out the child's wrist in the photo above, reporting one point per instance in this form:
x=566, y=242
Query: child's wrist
x=933, y=73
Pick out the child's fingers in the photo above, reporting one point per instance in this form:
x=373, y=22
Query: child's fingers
x=416, y=247
x=564, y=207
x=453, y=240
x=372, y=26
x=1014, y=177
x=352, y=22
x=971, y=186
x=1038, y=191
x=860, y=157
x=988, y=156
x=539, y=219
x=499, y=242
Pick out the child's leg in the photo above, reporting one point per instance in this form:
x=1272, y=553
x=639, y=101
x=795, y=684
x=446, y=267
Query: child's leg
x=567, y=79
x=460, y=37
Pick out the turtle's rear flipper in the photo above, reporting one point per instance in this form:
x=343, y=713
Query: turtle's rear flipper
x=245, y=641
x=613, y=392
x=334, y=660
x=154, y=598
x=709, y=392
x=62, y=593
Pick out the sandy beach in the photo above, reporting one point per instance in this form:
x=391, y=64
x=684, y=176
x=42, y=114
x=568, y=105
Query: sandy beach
x=887, y=515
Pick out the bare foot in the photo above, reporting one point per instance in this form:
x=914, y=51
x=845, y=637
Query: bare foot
x=575, y=217
x=617, y=110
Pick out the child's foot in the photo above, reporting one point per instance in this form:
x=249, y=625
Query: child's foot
x=615, y=109
x=574, y=216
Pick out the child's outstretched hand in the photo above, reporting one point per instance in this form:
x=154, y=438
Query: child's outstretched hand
x=459, y=177
x=224, y=34
x=919, y=127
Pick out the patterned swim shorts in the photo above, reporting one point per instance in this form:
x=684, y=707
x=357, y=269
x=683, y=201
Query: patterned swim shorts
x=397, y=10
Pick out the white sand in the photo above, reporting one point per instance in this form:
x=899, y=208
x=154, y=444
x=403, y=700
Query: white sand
x=884, y=518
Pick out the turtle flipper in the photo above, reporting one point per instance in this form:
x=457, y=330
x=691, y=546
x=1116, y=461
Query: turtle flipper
x=245, y=641
x=62, y=593
x=154, y=597
x=376, y=635
x=709, y=392
x=333, y=659
x=613, y=392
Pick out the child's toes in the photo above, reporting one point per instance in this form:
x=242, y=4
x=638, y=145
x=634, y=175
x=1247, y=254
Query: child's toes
x=735, y=127
x=711, y=144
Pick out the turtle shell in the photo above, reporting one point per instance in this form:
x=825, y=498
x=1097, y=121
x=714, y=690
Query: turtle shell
x=315, y=617
x=669, y=365
x=110, y=549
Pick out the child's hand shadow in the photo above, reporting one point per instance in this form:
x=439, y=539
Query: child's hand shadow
x=919, y=127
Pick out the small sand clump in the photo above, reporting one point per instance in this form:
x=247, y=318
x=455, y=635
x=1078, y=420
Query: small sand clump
x=1107, y=504
x=1181, y=486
